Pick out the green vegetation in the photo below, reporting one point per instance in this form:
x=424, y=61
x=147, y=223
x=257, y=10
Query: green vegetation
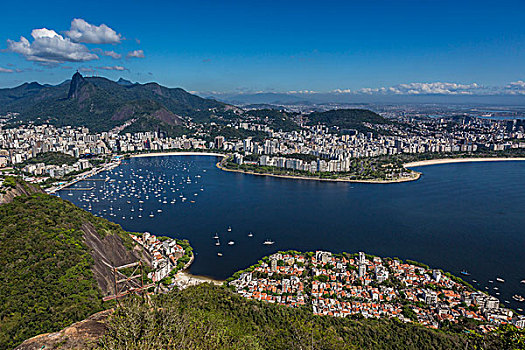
x=277, y=120
x=9, y=182
x=211, y=317
x=150, y=123
x=382, y=168
x=349, y=119
x=45, y=266
x=50, y=158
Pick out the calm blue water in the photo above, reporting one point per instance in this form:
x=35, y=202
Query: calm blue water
x=457, y=216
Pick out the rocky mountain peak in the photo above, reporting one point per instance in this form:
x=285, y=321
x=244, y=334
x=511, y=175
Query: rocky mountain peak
x=76, y=83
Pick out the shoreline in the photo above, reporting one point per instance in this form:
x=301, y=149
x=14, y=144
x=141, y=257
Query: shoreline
x=293, y=177
x=461, y=160
x=175, y=153
x=415, y=178
x=185, y=279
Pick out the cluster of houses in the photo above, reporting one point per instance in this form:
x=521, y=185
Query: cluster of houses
x=164, y=254
x=344, y=285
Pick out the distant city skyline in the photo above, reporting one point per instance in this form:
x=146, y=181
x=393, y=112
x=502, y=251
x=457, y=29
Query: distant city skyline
x=299, y=48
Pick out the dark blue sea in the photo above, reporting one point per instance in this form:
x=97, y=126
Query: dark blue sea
x=468, y=216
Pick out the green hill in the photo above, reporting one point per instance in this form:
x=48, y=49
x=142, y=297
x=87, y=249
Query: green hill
x=276, y=119
x=344, y=119
x=49, y=272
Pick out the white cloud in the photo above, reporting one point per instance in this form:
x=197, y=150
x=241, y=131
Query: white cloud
x=48, y=47
x=436, y=88
x=5, y=70
x=439, y=88
x=136, y=54
x=83, y=32
x=112, y=54
x=301, y=92
x=86, y=70
x=515, y=88
x=119, y=68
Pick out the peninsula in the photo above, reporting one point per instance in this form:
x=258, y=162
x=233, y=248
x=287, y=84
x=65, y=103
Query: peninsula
x=360, y=285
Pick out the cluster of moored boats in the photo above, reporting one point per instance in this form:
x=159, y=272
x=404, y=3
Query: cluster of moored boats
x=516, y=297
x=129, y=190
x=231, y=242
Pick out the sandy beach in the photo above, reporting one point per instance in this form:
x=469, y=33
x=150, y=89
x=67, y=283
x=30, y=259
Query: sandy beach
x=458, y=160
x=184, y=279
x=160, y=154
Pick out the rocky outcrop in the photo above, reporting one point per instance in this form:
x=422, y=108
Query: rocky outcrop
x=81, y=335
x=109, y=251
x=21, y=189
x=75, y=86
x=167, y=117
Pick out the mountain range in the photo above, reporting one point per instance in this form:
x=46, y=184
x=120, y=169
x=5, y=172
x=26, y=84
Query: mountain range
x=101, y=104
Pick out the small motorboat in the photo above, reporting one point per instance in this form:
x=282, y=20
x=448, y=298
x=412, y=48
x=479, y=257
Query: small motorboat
x=518, y=298
x=231, y=243
x=500, y=280
x=268, y=242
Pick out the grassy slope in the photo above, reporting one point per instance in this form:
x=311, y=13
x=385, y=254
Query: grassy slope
x=45, y=267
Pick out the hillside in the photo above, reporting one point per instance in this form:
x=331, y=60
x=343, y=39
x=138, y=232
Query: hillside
x=13, y=187
x=211, y=317
x=344, y=119
x=101, y=104
x=277, y=120
x=53, y=265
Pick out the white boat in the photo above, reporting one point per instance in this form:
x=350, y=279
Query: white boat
x=501, y=280
x=231, y=243
x=250, y=234
x=268, y=242
x=151, y=215
x=229, y=229
x=216, y=236
x=219, y=254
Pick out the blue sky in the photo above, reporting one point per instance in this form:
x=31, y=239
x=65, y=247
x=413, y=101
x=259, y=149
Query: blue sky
x=247, y=46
